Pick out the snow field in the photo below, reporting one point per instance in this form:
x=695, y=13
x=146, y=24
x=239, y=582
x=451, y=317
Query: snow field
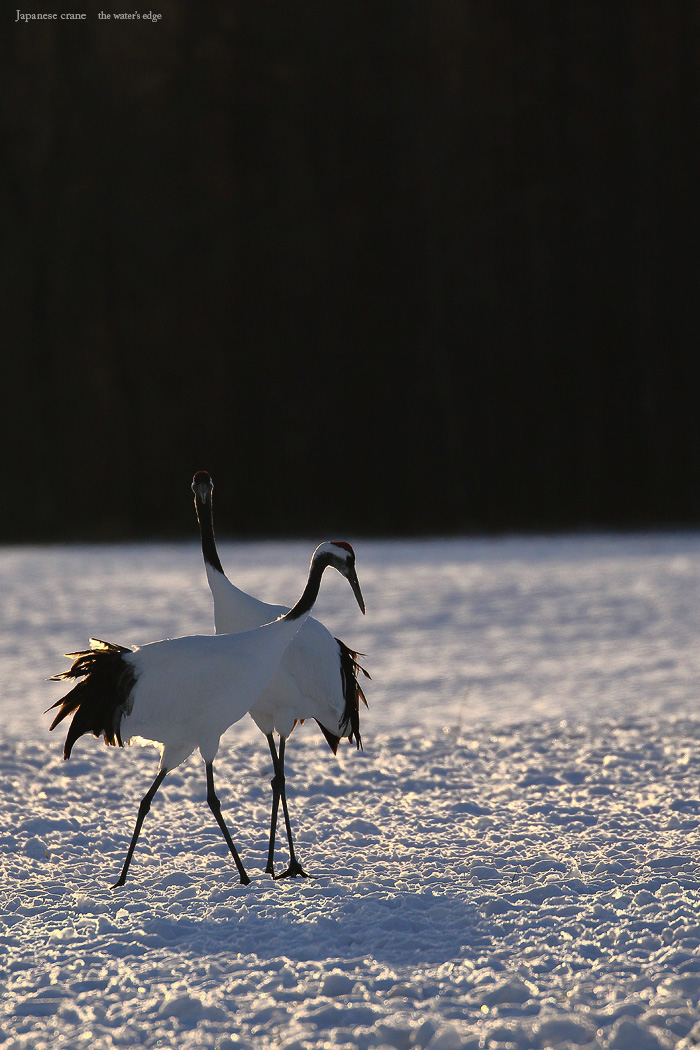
x=511, y=863
x=529, y=887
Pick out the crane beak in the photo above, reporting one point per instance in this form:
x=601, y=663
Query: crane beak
x=355, y=584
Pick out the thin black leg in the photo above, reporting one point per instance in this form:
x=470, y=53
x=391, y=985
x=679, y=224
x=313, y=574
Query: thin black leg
x=276, y=786
x=143, y=810
x=215, y=807
x=295, y=867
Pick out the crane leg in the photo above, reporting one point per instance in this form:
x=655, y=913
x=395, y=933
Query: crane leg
x=215, y=807
x=275, y=785
x=279, y=794
x=144, y=807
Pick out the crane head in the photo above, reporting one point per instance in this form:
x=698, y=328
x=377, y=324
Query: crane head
x=202, y=485
x=341, y=556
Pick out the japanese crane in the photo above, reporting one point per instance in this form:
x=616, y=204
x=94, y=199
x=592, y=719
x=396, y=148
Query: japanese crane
x=317, y=676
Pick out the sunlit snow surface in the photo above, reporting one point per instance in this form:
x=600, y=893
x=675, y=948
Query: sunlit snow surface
x=510, y=863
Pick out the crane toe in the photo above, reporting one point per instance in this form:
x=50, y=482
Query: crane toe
x=295, y=869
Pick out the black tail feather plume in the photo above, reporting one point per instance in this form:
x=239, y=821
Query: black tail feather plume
x=98, y=701
x=350, y=670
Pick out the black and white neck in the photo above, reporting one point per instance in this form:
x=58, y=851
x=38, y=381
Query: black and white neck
x=203, y=488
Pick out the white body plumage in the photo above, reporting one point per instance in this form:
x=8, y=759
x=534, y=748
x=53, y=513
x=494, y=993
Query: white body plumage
x=306, y=684
x=189, y=691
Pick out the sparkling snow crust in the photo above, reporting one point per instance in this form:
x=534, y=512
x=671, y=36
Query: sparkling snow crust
x=512, y=862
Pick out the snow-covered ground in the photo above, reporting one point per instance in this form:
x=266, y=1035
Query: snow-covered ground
x=512, y=862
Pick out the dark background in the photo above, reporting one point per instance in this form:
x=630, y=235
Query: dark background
x=381, y=267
